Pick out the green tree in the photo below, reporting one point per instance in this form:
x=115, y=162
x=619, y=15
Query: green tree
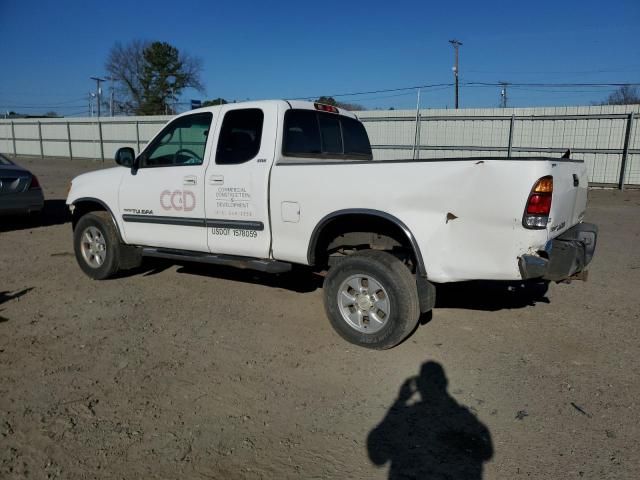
x=152, y=75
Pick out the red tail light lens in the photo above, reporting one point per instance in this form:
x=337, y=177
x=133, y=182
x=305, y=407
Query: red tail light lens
x=536, y=214
x=34, y=182
x=539, y=204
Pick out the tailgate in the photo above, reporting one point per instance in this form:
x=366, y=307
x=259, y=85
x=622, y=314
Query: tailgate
x=569, y=195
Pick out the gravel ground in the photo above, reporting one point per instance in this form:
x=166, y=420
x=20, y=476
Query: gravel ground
x=180, y=371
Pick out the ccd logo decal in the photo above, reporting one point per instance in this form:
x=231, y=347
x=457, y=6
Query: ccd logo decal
x=180, y=200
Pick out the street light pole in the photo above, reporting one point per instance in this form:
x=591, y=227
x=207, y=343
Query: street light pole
x=503, y=94
x=111, y=96
x=456, y=70
x=98, y=90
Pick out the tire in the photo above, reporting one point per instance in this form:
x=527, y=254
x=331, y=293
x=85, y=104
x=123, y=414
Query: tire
x=97, y=245
x=378, y=313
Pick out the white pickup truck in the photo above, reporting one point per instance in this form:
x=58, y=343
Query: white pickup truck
x=269, y=184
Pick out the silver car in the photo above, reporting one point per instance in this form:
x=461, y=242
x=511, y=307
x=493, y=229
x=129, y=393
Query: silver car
x=20, y=191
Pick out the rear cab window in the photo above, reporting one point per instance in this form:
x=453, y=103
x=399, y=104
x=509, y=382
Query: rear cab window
x=321, y=135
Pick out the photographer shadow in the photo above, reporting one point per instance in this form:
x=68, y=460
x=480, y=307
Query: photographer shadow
x=433, y=437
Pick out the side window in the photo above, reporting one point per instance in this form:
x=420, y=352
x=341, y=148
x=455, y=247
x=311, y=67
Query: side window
x=356, y=140
x=324, y=135
x=330, y=132
x=301, y=133
x=182, y=142
x=240, y=136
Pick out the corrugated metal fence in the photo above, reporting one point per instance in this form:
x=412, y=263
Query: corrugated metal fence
x=606, y=137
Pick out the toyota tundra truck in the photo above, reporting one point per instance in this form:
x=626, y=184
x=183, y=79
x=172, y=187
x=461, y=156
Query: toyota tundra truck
x=269, y=184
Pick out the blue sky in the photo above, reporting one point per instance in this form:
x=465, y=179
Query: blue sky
x=255, y=50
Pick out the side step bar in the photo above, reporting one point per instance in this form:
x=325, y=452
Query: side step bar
x=262, y=265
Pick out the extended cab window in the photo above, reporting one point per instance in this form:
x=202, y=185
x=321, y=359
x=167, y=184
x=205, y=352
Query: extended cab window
x=356, y=140
x=240, y=136
x=182, y=142
x=308, y=133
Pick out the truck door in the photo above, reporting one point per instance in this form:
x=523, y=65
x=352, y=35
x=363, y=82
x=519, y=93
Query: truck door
x=162, y=204
x=237, y=181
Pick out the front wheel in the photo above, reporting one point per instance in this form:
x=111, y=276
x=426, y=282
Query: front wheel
x=96, y=245
x=371, y=299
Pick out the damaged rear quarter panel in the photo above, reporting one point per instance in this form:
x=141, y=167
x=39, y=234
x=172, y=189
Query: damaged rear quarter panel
x=487, y=198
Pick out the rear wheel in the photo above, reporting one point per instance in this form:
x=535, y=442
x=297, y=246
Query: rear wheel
x=97, y=246
x=371, y=299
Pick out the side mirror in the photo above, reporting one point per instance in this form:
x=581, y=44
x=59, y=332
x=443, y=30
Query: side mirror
x=125, y=157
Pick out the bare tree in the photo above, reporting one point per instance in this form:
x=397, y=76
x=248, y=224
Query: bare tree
x=347, y=106
x=215, y=101
x=625, y=95
x=151, y=75
x=125, y=65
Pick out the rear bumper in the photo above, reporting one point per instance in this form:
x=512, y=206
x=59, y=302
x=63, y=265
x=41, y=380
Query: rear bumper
x=563, y=256
x=30, y=201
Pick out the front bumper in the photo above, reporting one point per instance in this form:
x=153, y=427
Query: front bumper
x=563, y=256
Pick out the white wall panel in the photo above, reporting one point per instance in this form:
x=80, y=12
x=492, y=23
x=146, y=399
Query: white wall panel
x=441, y=128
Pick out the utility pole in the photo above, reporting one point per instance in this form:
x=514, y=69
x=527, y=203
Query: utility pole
x=98, y=90
x=456, y=70
x=503, y=94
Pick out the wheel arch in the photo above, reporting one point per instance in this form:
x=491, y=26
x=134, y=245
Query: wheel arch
x=364, y=213
x=84, y=205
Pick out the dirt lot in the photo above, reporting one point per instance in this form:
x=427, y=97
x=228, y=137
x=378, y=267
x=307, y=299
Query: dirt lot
x=189, y=372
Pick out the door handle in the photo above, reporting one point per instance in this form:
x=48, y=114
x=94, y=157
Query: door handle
x=576, y=180
x=216, y=180
x=190, y=180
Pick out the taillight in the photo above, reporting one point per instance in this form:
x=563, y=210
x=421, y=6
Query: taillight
x=536, y=214
x=34, y=182
x=539, y=204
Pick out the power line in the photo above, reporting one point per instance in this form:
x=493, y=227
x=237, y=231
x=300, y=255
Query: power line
x=475, y=84
x=544, y=87
x=404, y=94
x=551, y=90
x=559, y=85
x=352, y=94
x=560, y=72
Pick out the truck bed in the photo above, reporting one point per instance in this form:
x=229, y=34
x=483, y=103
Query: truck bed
x=466, y=213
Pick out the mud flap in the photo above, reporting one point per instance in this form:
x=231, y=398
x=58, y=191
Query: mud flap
x=426, y=294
